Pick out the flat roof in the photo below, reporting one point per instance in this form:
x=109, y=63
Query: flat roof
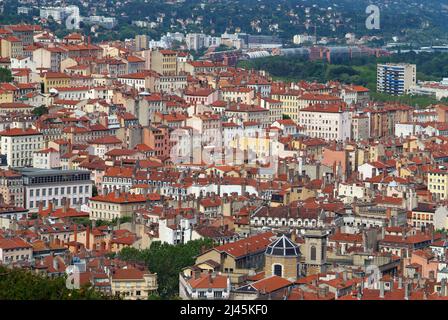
x=46, y=172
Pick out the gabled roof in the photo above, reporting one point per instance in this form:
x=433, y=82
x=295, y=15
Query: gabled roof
x=206, y=281
x=246, y=246
x=266, y=285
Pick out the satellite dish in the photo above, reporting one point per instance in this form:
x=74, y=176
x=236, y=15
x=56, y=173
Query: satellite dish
x=53, y=90
x=144, y=93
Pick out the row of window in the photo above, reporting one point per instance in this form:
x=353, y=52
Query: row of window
x=276, y=222
x=17, y=258
x=70, y=190
x=56, y=202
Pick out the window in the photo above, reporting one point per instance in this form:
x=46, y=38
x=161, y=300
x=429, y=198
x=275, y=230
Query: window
x=313, y=253
x=278, y=270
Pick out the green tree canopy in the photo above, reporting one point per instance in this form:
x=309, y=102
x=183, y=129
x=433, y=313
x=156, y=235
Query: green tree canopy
x=5, y=75
x=20, y=284
x=38, y=111
x=167, y=261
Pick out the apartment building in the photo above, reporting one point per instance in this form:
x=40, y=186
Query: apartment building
x=274, y=107
x=164, y=62
x=11, y=188
x=438, y=184
x=241, y=113
x=329, y=122
x=47, y=159
x=19, y=146
x=396, y=79
x=45, y=186
x=133, y=284
x=15, y=250
x=55, y=80
x=203, y=286
x=238, y=94
x=115, y=205
x=11, y=47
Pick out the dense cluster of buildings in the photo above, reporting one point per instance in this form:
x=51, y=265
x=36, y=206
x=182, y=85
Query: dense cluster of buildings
x=308, y=190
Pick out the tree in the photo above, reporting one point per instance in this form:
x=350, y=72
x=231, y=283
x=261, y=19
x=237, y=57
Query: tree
x=39, y=111
x=20, y=284
x=85, y=221
x=5, y=75
x=167, y=261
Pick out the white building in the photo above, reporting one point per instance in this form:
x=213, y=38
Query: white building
x=204, y=286
x=134, y=80
x=19, y=146
x=396, y=79
x=47, y=159
x=176, y=233
x=440, y=218
x=408, y=129
x=60, y=14
x=195, y=41
x=348, y=192
x=329, y=122
x=303, y=38
x=23, y=63
x=438, y=90
x=15, y=250
x=43, y=186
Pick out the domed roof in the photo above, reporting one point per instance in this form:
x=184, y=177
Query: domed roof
x=283, y=246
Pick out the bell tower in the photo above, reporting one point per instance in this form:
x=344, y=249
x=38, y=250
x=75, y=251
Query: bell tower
x=315, y=251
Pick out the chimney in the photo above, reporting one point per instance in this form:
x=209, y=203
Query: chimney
x=88, y=237
x=382, y=289
x=443, y=287
x=41, y=207
x=66, y=205
x=50, y=206
x=400, y=283
x=407, y=291
x=75, y=232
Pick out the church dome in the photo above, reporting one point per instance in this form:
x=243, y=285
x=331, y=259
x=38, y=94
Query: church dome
x=284, y=247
